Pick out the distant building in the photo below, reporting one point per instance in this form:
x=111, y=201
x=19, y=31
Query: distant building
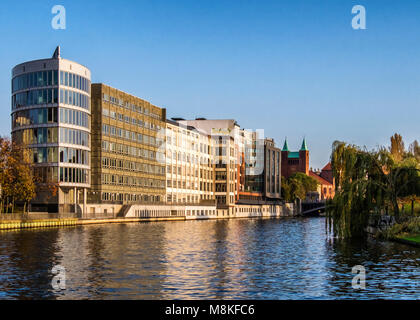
x=294, y=161
x=298, y=161
x=326, y=187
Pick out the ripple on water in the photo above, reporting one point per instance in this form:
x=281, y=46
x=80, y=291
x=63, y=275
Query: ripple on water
x=236, y=259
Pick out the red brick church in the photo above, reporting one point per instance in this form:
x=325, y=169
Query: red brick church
x=298, y=161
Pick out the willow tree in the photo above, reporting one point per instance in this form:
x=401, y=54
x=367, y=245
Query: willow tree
x=366, y=183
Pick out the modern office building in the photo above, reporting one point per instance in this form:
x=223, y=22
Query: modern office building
x=224, y=151
x=51, y=119
x=260, y=177
x=189, y=165
x=128, y=149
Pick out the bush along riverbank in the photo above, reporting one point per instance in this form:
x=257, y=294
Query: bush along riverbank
x=407, y=232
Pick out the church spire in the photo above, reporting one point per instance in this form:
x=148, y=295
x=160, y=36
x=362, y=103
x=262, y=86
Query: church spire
x=285, y=146
x=304, y=146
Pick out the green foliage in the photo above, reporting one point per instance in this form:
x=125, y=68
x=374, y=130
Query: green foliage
x=404, y=229
x=297, y=186
x=369, y=182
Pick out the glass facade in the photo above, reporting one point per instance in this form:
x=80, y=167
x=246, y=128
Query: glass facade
x=74, y=117
x=74, y=98
x=72, y=80
x=34, y=80
x=73, y=136
x=30, y=117
x=35, y=97
x=44, y=110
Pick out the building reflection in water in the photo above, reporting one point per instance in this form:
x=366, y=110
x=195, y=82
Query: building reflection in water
x=230, y=259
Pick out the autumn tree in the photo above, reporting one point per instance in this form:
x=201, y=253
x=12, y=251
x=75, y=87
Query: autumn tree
x=397, y=148
x=414, y=150
x=16, y=177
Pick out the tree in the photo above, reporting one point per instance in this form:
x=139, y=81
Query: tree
x=297, y=186
x=414, y=150
x=397, y=147
x=368, y=182
x=16, y=175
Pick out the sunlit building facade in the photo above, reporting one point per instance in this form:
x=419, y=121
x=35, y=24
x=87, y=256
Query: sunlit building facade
x=189, y=165
x=128, y=150
x=51, y=119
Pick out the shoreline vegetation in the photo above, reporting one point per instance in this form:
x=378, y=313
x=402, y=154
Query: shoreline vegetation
x=381, y=182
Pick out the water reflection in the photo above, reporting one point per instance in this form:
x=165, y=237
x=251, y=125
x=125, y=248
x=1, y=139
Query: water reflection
x=237, y=259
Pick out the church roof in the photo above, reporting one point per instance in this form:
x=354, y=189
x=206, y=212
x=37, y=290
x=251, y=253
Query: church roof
x=285, y=146
x=293, y=155
x=321, y=180
x=327, y=167
x=304, y=146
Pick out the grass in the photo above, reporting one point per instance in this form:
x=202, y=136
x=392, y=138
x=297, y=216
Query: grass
x=407, y=208
x=415, y=238
x=408, y=230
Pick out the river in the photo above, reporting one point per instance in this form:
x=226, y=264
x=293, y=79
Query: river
x=286, y=258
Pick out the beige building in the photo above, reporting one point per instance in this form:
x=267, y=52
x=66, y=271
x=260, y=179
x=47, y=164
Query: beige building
x=189, y=165
x=128, y=150
x=224, y=153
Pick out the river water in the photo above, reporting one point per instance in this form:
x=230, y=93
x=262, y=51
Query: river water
x=232, y=259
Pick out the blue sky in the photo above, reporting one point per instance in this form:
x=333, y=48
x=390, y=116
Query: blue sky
x=293, y=68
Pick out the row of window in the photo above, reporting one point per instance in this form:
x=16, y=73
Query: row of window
x=46, y=174
x=114, y=179
x=50, y=155
x=132, y=151
x=74, y=117
x=74, y=98
x=73, y=136
x=129, y=106
x=190, y=158
x=182, y=198
x=127, y=165
x=36, y=136
x=182, y=185
x=35, y=79
x=108, y=196
x=34, y=116
x=130, y=135
x=43, y=155
x=35, y=97
x=75, y=81
x=74, y=175
x=77, y=156
x=133, y=121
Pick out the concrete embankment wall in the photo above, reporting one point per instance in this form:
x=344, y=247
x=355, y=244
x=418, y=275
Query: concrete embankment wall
x=148, y=213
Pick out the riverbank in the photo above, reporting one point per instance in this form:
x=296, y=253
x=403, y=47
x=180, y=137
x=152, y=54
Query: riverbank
x=189, y=215
x=410, y=240
x=407, y=232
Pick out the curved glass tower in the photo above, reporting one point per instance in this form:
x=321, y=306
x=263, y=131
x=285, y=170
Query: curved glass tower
x=51, y=119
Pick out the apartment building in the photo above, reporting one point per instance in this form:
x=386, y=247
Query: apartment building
x=128, y=149
x=189, y=165
x=224, y=154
